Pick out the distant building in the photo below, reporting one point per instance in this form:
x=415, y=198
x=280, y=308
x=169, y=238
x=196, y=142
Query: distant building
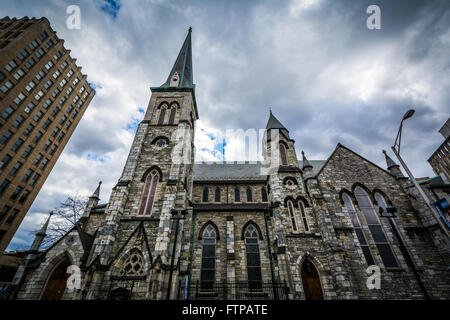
x=43, y=96
x=440, y=159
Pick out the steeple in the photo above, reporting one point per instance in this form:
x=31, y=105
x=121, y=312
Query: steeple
x=392, y=166
x=274, y=123
x=181, y=75
x=41, y=235
x=306, y=164
x=96, y=193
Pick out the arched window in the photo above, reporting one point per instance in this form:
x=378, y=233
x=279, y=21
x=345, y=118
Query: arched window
x=173, y=113
x=253, y=260
x=208, y=266
x=205, y=195
x=375, y=228
x=358, y=230
x=264, y=194
x=162, y=114
x=283, y=155
x=134, y=265
x=148, y=196
x=57, y=282
x=237, y=195
x=249, y=195
x=217, y=195
x=291, y=210
x=303, y=215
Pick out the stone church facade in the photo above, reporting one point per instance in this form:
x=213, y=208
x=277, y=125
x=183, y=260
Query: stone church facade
x=175, y=229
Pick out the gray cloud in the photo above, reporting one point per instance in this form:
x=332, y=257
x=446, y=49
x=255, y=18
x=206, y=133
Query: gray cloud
x=326, y=76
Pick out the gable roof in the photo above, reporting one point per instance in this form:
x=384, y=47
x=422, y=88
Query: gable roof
x=338, y=146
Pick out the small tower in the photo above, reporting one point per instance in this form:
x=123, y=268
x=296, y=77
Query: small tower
x=92, y=202
x=392, y=167
x=307, y=167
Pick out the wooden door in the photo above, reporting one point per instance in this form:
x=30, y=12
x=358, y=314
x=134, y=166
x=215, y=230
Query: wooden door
x=57, y=282
x=311, y=281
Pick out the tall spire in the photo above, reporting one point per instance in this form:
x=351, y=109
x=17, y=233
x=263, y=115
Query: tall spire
x=389, y=162
x=306, y=164
x=181, y=75
x=274, y=123
x=96, y=193
x=41, y=234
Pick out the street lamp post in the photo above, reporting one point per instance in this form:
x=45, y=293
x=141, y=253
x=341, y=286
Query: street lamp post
x=177, y=219
x=391, y=214
x=396, y=150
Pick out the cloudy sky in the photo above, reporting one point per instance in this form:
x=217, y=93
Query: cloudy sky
x=326, y=76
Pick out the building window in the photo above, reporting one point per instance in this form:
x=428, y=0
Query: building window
x=4, y=212
x=303, y=215
x=291, y=210
x=162, y=114
x=378, y=235
x=6, y=136
x=22, y=54
x=237, y=195
x=205, y=195
x=27, y=152
x=27, y=175
x=19, y=74
x=208, y=267
x=4, y=185
x=34, y=179
x=253, y=260
x=15, y=168
x=217, y=195
x=9, y=110
x=264, y=194
x=24, y=196
x=8, y=85
x=283, y=155
x=148, y=196
x=249, y=195
x=12, y=216
x=28, y=129
x=16, y=193
x=19, y=98
x=17, y=144
x=134, y=265
x=10, y=66
x=173, y=113
x=5, y=160
x=358, y=230
x=33, y=45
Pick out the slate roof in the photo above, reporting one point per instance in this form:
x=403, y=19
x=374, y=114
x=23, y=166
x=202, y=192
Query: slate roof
x=274, y=123
x=207, y=171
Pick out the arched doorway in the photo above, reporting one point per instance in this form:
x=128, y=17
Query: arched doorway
x=56, y=284
x=311, y=281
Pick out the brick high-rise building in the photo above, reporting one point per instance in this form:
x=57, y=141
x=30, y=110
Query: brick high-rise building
x=43, y=96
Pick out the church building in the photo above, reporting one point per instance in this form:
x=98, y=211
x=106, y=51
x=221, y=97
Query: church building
x=284, y=228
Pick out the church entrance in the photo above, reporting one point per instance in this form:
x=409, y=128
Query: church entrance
x=56, y=284
x=311, y=281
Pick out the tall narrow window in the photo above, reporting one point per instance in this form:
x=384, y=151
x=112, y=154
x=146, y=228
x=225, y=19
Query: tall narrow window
x=358, y=230
x=148, y=196
x=291, y=210
x=253, y=260
x=375, y=228
x=208, y=258
x=173, y=113
x=283, y=155
x=303, y=214
x=217, y=195
x=264, y=194
x=249, y=195
x=205, y=195
x=237, y=195
x=162, y=114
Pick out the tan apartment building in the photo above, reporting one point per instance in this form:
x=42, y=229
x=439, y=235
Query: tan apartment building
x=43, y=96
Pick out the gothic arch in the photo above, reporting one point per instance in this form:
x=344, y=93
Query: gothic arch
x=163, y=103
x=175, y=103
x=358, y=184
x=294, y=202
x=303, y=199
x=144, y=176
x=381, y=192
x=53, y=264
x=284, y=143
x=350, y=194
x=317, y=265
x=257, y=229
x=207, y=223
